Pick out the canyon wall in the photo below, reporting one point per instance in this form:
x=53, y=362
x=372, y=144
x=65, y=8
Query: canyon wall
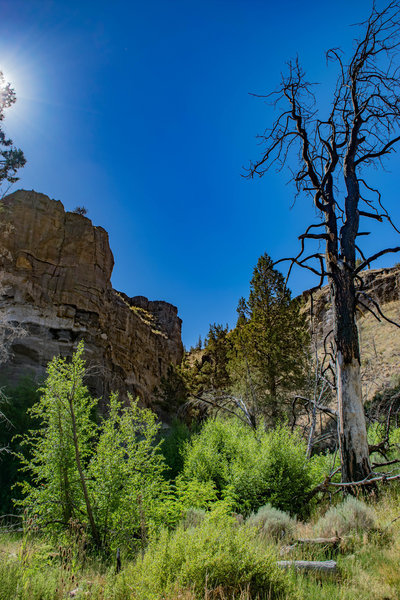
x=379, y=339
x=55, y=280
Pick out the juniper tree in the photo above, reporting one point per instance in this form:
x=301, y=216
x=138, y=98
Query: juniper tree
x=270, y=340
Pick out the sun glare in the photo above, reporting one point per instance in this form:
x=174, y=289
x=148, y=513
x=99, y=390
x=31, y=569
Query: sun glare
x=13, y=79
x=21, y=84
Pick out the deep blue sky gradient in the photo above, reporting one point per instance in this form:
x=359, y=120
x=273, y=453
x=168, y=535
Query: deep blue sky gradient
x=141, y=112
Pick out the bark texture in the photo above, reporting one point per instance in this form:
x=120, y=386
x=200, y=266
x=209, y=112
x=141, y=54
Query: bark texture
x=352, y=430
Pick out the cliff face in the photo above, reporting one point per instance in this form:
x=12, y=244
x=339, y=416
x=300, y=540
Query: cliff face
x=379, y=340
x=56, y=268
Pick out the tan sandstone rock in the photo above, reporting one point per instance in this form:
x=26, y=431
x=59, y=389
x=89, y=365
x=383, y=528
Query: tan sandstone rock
x=55, y=278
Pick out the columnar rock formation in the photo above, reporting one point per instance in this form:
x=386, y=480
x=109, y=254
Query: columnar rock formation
x=55, y=281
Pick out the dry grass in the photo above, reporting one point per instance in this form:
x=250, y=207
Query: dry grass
x=368, y=569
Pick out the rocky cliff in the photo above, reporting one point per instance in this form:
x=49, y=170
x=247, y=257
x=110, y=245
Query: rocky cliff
x=379, y=340
x=55, y=281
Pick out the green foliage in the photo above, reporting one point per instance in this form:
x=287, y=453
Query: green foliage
x=351, y=515
x=195, y=493
x=272, y=523
x=17, y=583
x=215, y=555
x=173, y=389
x=108, y=479
x=270, y=342
x=54, y=493
x=174, y=440
x=376, y=435
x=14, y=405
x=125, y=474
x=215, y=363
x=11, y=158
x=264, y=357
x=253, y=467
x=193, y=517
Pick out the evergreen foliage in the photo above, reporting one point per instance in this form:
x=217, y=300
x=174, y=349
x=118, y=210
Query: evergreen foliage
x=262, y=360
x=173, y=389
x=270, y=342
x=216, y=359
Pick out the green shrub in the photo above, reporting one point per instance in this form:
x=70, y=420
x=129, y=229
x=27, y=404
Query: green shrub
x=376, y=435
x=256, y=467
x=216, y=554
x=173, y=442
x=272, y=523
x=108, y=479
x=376, y=432
x=193, y=517
x=351, y=515
x=193, y=493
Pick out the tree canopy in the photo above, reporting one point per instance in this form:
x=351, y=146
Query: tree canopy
x=11, y=157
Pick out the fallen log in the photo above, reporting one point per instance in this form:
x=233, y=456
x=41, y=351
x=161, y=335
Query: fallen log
x=323, y=541
x=334, y=542
x=322, y=566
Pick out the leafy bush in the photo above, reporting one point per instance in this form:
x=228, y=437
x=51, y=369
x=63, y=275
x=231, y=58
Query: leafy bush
x=56, y=494
x=173, y=442
x=216, y=554
x=126, y=484
x=351, y=515
x=256, y=467
x=376, y=432
x=107, y=479
x=376, y=435
x=272, y=523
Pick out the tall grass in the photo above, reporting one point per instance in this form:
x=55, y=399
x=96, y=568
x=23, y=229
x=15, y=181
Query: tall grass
x=218, y=559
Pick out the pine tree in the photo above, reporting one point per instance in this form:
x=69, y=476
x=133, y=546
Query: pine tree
x=217, y=348
x=270, y=340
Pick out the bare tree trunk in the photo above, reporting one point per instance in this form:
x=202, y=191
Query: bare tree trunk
x=362, y=128
x=351, y=419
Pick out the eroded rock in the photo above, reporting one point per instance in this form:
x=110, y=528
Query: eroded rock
x=55, y=280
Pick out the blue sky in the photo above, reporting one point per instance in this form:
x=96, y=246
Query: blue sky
x=141, y=112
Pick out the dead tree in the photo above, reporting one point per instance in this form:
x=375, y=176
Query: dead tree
x=334, y=154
